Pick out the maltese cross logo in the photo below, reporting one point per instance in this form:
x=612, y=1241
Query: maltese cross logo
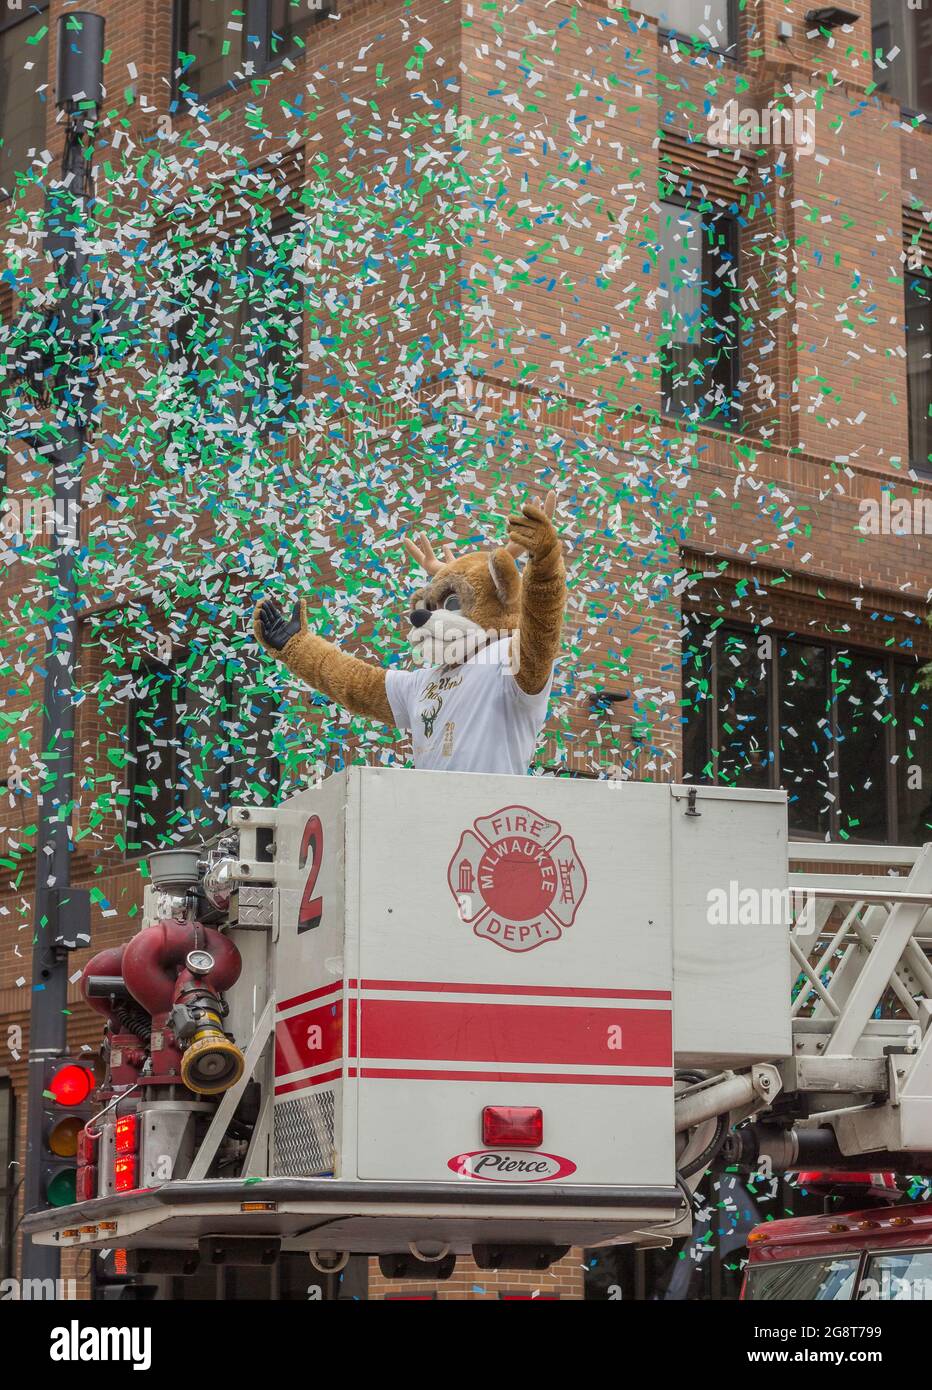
x=517, y=879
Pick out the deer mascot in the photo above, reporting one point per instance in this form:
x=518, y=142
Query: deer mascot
x=485, y=638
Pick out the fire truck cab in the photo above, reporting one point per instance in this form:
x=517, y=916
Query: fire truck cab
x=875, y=1254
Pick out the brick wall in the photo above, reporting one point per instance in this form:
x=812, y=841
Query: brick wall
x=564, y=1280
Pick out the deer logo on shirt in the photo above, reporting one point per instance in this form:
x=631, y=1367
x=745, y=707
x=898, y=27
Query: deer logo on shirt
x=429, y=717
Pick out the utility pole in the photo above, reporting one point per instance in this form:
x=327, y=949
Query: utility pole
x=58, y=924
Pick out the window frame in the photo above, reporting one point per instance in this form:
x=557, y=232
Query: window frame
x=889, y=662
x=228, y=321
x=919, y=465
x=257, y=20
x=9, y=1187
x=895, y=18
x=857, y=1257
x=664, y=33
x=731, y=423
x=198, y=834
x=135, y=847
x=33, y=9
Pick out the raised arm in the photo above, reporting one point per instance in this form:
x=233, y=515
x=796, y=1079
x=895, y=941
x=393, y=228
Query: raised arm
x=543, y=593
x=357, y=685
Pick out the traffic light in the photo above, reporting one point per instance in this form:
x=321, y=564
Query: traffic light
x=67, y=1107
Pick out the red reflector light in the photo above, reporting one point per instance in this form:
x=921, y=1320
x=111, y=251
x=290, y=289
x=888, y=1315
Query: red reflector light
x=71, y=1085
x=832, y=1177
x=521, y=1125
x=87, y=1147
x=124, y=1174
x=87, y=1183
x=126, y=1134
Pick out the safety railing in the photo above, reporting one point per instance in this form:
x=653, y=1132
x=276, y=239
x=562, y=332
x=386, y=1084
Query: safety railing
x=861, y=936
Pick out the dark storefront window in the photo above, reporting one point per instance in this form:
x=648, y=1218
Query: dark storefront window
x=697, y=280
x=8, y=1183
x=150, y=752
x=195, y=745
x=23, y=70
x=847, y=734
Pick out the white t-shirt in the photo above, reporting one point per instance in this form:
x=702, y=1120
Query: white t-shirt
x=473, y=717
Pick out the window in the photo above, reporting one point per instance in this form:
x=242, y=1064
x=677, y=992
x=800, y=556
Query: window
x=902, y=42
x=199, y=739
x=919, y=367
x=898, y=1274
x=194, y=336
x=224, y=751
x=23, y=72
x=268, y=322
x=234, y=332
x=709, y=24
x=826, y=1280
x=8, y=1178
x=697, y=280
x=847, y=734
x=220, y=42
x=288, y=21
x=208, y=45
x=150, y=756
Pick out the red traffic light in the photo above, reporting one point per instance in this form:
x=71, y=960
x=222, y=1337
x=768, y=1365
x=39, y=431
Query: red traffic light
x=71, y=1085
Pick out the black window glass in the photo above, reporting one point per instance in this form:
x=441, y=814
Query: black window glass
x=913, y=756
x=863, y=706
x=743, y=708
x=24, y=57
x=210, y=44
x=901, y=38
x=697, y=286
x=151, y=758
x=805, y=735
x=826, y=1280
x=919, y=368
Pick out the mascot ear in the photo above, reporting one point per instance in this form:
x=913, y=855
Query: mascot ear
x=505, y=577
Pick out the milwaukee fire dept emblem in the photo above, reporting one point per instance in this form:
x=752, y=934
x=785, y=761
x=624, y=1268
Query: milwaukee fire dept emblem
x=517, y=879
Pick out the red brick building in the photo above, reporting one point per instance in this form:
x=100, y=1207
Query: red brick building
x=674, y=264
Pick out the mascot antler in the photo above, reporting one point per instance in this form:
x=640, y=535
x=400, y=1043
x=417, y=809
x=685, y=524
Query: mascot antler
x=422, y=552
x=424, y=556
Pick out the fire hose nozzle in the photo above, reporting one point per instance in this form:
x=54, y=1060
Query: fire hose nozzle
x=210, y=1062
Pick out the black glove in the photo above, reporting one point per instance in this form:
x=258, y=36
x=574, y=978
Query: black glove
x=276, y=629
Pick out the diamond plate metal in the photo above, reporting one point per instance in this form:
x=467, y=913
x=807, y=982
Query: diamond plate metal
x=304, y=1135
x=255, y=907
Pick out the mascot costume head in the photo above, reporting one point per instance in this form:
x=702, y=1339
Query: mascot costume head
x=484, y=637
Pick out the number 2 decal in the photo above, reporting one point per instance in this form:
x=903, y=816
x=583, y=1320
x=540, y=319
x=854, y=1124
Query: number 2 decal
x=312, y=909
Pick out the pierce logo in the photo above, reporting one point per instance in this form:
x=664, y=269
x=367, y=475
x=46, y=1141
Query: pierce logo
x=511, y=1165
x=517, y=878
